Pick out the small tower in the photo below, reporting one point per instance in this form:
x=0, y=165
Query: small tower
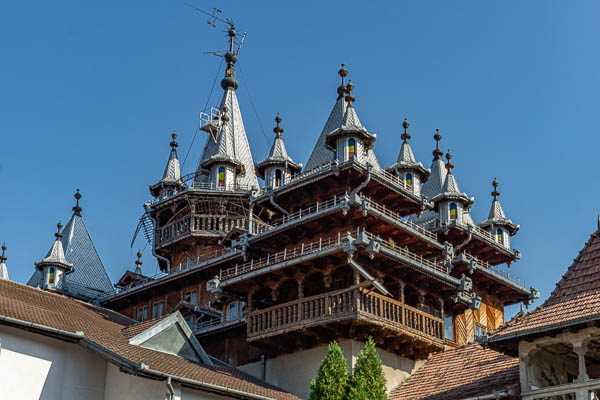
x=452, y=205
x=413, y=172
x=278, y=167
x=497, y=224
x=171, y=179
x=54, y=266
x=351, y=141
x=3, y=269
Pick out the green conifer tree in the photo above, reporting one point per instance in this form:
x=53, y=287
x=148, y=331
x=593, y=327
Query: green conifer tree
x=331, y=382
x=368, y=381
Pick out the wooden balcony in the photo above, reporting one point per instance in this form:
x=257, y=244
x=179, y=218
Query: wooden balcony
x=349, y=312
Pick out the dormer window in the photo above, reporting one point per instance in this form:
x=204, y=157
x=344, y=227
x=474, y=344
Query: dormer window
x=221, y=177
x=453, y=211
x=278, y=178
x=408, y=179
x=351, y=148
x=51, y=276
x=500, y=235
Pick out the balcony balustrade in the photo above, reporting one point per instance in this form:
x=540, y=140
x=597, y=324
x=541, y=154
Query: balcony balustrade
x=354, y=303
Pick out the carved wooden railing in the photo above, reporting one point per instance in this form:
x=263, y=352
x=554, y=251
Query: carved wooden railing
x=496, y=270
x=354, y=302
x=188, y=224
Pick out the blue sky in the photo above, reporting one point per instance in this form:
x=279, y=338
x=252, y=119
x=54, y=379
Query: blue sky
x=90, y=92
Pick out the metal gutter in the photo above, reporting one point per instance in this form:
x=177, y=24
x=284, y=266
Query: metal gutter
x=147, y=208
x=32, y=325
x=491, y=396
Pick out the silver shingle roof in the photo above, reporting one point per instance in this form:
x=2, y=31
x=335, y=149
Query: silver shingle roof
x=56, y=254
x=231, y=144
x=278, y=153
x=79, y=250
x=406, y=159
x=172, y=169
x=496, y=215
x=338, y=117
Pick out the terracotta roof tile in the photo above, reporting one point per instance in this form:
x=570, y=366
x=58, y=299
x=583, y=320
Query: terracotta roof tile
x=111, y=331
x=468, y=371
x=575, y=298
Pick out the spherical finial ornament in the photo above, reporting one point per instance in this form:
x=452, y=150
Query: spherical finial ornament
x=77, y=196
x=343, y=72
x=437, y=153
x=495, y=193
x=59, y=227
x=3, y=257
x=349, y=98
x=449, y=164
x=278, y=129
x=174, y=143
x=405, y=136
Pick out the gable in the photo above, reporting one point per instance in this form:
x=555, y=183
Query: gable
x=172, y=335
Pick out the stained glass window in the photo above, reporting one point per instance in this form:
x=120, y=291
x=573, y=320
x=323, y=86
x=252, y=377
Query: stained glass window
x=409, y=180
x=499, y=235
x=221, y=176
x=51, y=276
x=453, y=211
x=351, y=148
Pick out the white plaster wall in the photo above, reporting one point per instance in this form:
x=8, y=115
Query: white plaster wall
x=293, y=372
x=121, y=386
x=33, y=366
x=190, y=394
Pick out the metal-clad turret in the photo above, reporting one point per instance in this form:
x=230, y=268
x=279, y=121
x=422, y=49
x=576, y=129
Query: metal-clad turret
x=451, y=204
x=171, y=179
x=413, y=172
x=277, y=167
x=54, y=265
x=338, y=117
x=497, y=223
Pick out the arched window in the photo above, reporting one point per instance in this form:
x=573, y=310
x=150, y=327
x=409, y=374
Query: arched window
x=51, y=274
x=500, y=235
x=453, y=211
x=351, y=148
x=221, y=176
x=408, y=178
x=278, y=178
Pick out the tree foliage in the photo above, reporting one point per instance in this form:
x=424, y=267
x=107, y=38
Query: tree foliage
x=368, y=381
x=331, y=382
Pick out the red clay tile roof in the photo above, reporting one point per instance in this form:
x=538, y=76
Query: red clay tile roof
x=576, y=297
x=460, y=373
x=105, y=328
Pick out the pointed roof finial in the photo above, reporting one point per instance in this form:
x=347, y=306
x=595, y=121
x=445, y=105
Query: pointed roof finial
x=3, y=257
x=343, y=72
x=138, y=263
x=174, y=143
x=59, y=226
x=278, y=129
x=437, y=153
x=349, y=88
x=405, y=136
x=495, y=193
x=77, y=196
x=598, y=221
x=449, y=164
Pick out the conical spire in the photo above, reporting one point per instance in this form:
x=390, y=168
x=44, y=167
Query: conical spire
x=496, y=216
x=278, y=154
x=3, y=269
x=56, y=254
x=138, y=263
x=406, y=155
x=450, y=185
x=433, y=186
x=322, y=154
x=172, y=170
x=407, y=163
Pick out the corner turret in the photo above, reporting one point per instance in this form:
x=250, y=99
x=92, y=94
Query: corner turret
x=278, y=167
x=171, y=179
x=497, y=224
x=413, y=172
x=54, y=266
